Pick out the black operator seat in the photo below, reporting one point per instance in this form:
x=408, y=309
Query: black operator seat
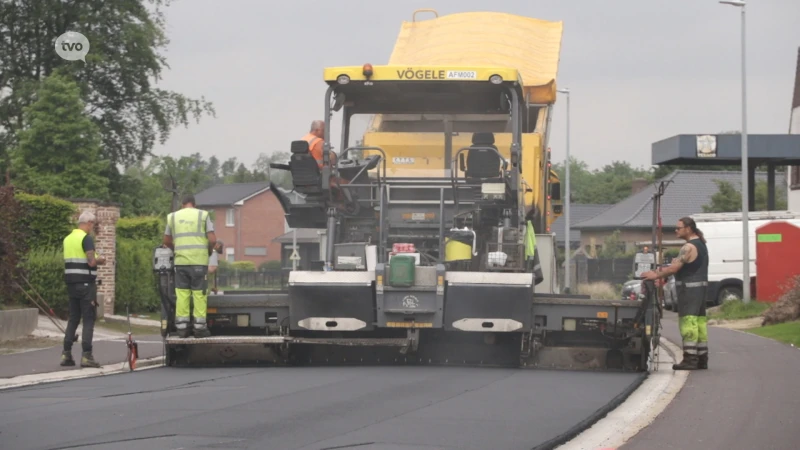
x=483, y=163
x=306, y=176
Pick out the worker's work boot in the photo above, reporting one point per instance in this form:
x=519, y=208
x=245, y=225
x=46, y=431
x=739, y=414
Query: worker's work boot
x=689, y=363
x=202, y=332
x=66, y=359
x=702, y=362
x=184, y=333
x=88, y=361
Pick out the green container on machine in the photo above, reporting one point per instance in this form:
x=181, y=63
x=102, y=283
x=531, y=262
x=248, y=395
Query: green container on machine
x=401, y=270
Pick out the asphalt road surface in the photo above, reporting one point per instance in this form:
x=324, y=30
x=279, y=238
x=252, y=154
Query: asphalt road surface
x=366, y=408
x=749, y=398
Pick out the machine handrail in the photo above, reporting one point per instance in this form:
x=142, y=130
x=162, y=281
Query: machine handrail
x=383, y=159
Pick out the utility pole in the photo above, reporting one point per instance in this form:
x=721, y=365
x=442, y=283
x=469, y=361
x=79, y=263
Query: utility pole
x=567, y=240
x=745, y=169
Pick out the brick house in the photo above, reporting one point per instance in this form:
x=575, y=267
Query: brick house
x=247, y=218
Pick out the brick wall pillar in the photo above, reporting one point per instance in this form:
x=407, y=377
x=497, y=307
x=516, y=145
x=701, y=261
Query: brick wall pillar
x=106, y=244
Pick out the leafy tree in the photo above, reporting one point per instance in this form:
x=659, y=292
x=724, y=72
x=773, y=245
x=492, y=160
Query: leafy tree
x=281, y=178
x=613, y=246
x=729, y=199
x=608, y=185
x=116, y=81
x=59, y=148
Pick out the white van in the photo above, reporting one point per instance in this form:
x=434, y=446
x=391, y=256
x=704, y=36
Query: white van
x=723, y=234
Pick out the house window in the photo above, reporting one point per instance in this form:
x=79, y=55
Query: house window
x=229, y=254
x=229, y=217
x=795, y=180
x=255, y=251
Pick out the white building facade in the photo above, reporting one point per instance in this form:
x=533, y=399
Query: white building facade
x=793, y=173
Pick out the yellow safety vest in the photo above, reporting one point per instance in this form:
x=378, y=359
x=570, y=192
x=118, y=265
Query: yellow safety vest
x=530, y=241
x=76, y=264
x=189, y=236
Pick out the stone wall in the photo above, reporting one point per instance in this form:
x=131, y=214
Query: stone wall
x=106, y=244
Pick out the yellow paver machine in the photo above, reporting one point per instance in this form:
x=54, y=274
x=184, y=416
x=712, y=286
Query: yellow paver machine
x=430, y=220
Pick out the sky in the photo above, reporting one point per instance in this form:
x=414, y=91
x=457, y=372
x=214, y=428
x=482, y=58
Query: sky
x=639, y=71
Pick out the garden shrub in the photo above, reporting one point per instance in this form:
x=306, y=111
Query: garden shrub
x=148, y=228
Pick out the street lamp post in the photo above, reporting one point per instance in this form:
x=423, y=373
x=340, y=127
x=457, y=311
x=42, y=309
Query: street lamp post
x=745, y=172
x=565, y=196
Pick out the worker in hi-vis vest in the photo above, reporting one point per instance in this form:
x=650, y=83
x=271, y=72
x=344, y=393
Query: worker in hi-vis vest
x=190, y=234
x=80, y=274
x=531, y=255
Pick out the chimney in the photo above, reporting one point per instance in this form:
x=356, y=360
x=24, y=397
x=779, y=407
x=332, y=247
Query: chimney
x=638, y=185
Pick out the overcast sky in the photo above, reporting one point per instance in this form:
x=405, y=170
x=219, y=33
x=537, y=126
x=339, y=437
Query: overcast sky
x=639, y=70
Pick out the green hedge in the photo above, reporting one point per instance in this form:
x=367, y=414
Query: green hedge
x=244, y=266
x=148, y=228
x=269, y=265
x=135, y=279
x=44, y=268
x=135, y=282
x=47, y=219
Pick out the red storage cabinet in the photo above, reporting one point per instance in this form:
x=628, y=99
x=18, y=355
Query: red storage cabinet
x=777, y=262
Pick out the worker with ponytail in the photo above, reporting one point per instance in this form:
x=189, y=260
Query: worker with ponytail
x=691, y=281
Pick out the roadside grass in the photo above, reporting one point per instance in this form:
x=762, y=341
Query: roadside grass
x=788, y=333
x=10, y=306
x=149, y=315
x=122, y=327
x=736, y=309
x=600, y=290
x=27, y=343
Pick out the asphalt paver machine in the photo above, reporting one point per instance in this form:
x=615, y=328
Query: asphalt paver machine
x=425, y=241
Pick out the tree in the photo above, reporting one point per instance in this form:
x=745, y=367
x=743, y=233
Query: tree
x=609, y=185
x=116, y=81
x=59, y=148
x=729, y=199
x=280, y=178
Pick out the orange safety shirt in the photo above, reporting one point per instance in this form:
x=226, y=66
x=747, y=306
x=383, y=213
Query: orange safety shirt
x=314, y=147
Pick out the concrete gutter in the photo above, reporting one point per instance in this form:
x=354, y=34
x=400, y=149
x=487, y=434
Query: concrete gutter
x=16, y=323
x=53, y=377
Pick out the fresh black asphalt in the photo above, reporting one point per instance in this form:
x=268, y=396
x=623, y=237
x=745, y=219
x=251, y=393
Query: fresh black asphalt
x=306, y=408
x=749, y=398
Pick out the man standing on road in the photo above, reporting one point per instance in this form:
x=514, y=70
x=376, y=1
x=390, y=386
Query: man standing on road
x=80, y=274
x=190, y=235
x=691, y=282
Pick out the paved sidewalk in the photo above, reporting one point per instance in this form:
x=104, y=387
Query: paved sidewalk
x=109, y=348
x=748, y=398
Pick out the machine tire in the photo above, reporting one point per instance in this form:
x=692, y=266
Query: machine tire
x=729, y=291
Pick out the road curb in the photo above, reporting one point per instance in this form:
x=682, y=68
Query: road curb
x=639, y=410
x=615, y=404
x=66, y=375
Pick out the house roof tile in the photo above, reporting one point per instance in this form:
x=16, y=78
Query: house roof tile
x=689, y=192
x=228, y=194
x=577, y=213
